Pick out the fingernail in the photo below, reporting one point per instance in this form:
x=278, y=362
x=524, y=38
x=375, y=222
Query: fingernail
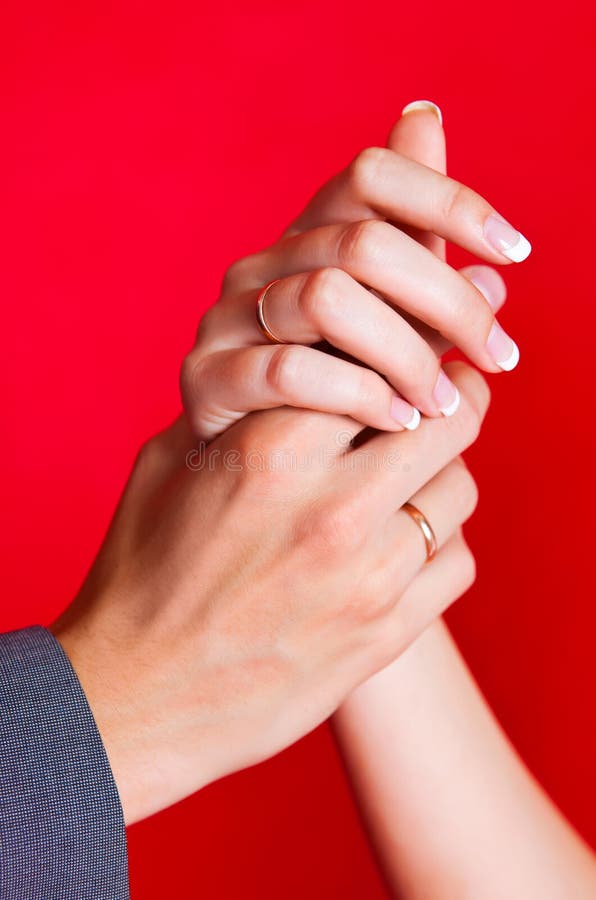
x=446, y=395
x=423, y=104
x=489, y=283
x=502, y=348
x=503, y=238
x=404, y=413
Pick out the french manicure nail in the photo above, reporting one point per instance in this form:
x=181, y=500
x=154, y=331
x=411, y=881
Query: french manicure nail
x=503, y=238
x=423, y=104
x=404, y=413
x=502, y=348
x=446, y=395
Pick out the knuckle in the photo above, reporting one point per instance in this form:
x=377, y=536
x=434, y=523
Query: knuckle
x=145, y=454
x=460, y=571
x=335, y=528
x=375, y=600
x=422, y=368
x=195, y=393
x=370, y=390
x=472, y=423
x=249, y=437
x=282, y=436
x=473, y=387
x=282, y=373
x=236, y=272
x=321, y=296
x=464, y=426
x=465, y=489
x=331, y=530
x=453, y=200
x=480, y=398
x=364, y=169
x=192, y=371
x=364, y=606
x=467, y=567
x=254, y=448
x=359, y=241
x=471, y=494
x=209, y=325
x=149, y=458
x=470, y=313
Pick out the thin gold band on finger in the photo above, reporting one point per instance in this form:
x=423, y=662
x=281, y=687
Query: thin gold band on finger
x=261, y=321
x=424, y=525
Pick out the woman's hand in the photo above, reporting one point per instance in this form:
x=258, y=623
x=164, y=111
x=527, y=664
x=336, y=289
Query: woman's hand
x=470, y=819
x=345, y=239
x=239, y=596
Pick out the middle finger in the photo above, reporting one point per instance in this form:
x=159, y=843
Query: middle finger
x=407, y=274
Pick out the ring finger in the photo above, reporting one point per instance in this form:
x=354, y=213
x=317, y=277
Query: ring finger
x=446, y=502
x=428, y=596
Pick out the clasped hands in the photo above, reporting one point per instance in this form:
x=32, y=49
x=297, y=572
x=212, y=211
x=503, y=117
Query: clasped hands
x=233, y=606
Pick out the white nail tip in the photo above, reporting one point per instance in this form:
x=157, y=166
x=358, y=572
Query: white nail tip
x=423, y=104
x=519, y=251
x=449, y=410
x=512, y=360
x=414, y=421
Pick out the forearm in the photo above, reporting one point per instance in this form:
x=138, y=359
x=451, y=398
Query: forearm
x=452, y=810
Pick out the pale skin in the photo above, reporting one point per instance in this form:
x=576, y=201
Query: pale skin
x=342, y=238
x=233, y=607
x=201, y=654
x=450, y=807
x=209, y=635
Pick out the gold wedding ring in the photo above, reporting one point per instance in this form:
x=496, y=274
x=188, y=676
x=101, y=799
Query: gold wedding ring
x=261, y=321
x=424, y=525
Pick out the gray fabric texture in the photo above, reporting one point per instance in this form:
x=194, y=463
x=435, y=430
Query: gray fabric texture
x=62, y=831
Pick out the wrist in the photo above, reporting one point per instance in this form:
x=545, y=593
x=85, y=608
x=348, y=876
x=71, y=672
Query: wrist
x=134, y=707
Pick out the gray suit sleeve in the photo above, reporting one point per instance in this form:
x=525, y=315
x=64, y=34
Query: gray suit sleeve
x=62, y=831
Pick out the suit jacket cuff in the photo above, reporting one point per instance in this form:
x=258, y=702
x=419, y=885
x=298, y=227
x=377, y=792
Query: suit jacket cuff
x=62, y=831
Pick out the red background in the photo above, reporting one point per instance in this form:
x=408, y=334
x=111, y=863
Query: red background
x=145, y=146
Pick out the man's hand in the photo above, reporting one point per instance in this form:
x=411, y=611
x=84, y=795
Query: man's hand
x=240, y=595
